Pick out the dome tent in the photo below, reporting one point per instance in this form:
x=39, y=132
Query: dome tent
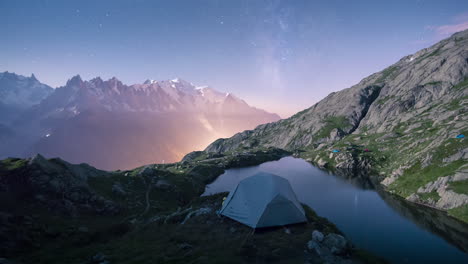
x=263, y=200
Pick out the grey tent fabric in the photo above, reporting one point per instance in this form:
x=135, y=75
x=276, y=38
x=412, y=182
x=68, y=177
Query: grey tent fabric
x=263, y=200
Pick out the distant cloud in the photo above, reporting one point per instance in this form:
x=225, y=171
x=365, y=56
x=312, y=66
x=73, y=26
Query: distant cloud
x=433, y=34
x=445, y=30
x=460, y=23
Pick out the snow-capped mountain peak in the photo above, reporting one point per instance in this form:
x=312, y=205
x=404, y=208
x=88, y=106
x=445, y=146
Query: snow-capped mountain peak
x=20, y=91
x=149, y=81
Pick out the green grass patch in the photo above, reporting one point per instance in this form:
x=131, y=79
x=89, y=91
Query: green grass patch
x=13, y=163
x=459, y=40
x=400, y=128
x=459, y=186
x=430, y=195
x=460, y=213
x=434, y=53
x=387, y=72
x=433, y=83
x=462, y=84
x=384, y=99
x=416, y=176
x=456, y=103
x=330, y=123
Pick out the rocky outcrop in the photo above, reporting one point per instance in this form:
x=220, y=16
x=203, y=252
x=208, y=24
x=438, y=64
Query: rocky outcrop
x=329, y=247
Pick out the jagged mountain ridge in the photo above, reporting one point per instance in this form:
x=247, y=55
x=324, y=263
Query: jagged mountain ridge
x=399, y=123
x=112, y=125
x=18, y=93
x=165, y=96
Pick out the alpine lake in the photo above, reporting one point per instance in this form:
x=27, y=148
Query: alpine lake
x=374, y=220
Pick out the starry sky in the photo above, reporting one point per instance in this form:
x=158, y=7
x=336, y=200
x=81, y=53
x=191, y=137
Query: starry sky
x=282, y=56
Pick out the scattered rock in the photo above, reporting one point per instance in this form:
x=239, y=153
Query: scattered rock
x=118, y=189
x=460, y=154
x=99, y=258
x=336, y=243
x=83, y=229
x=185, y=246
x=163, y=184
x=317, y=236
x=460, y=175
x=413, y=198
x=204, y=210
x=435, y=185
x=311, y=245
x=450, y=199
x=5, y=261
x=395, y=175
x=318, y=248
x=321, y=163
x=146, y=171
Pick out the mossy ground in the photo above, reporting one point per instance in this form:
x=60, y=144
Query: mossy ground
x=430, y=195
x=12, y=163
x=460, y=213
x=417, y=176
x=459, y=187
x=331, y=123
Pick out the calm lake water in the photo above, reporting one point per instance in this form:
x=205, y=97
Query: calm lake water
x=373, y=220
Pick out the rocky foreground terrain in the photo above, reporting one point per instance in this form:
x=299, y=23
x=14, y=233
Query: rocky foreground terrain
x=52, y=211
x=399, y=125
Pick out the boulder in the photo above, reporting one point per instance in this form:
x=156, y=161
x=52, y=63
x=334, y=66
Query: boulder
x=163, y=184
x=460, y=154
x=317, y=236
x=337, y=244
x=319, y=249
x=83, y=229
x=450, y=199
x=118, y=189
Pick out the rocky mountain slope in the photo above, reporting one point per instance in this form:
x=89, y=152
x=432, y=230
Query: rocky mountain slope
x=399, y=124
x=114, y=126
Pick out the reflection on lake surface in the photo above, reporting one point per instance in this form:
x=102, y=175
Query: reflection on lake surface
x=374, y=220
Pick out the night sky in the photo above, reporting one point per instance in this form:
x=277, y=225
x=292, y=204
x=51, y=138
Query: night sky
x=282, y=56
